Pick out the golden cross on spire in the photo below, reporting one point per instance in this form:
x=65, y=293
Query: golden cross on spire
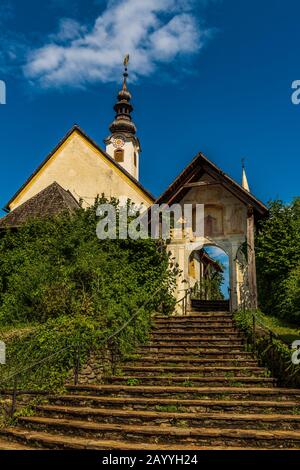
x=126, y=60
x=125, y=74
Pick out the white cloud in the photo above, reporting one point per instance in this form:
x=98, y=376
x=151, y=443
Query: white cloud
x=153, y=32
x=68, y=30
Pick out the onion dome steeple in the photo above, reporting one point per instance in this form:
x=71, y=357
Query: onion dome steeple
x=122, y=144
x=123, y=122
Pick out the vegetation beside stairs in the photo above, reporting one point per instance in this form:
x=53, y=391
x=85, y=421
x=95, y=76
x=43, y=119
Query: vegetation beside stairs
x=194, y=385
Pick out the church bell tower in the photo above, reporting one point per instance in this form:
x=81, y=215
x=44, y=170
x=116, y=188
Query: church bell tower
x=122, y=144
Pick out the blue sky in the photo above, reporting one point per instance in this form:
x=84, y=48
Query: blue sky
x=212, y=76
x=219, y=255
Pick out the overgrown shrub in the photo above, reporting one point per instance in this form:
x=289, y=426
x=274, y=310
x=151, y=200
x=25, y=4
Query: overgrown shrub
x=271, y=350
x=56, y=274
x=278, y=258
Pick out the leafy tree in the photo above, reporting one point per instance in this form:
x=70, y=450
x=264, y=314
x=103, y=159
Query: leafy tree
x=278, y=256
x=210, y=288
x=57, y=275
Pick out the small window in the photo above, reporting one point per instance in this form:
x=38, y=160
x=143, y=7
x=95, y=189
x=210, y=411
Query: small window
x=135, y=159
x=119, y=155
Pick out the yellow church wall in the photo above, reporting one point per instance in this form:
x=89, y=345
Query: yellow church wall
x=81, y=168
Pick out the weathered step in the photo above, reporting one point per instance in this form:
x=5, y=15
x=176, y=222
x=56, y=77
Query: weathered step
x=201, y=342
x=196, y=340
x=168, y=434
x=172, y=349
x=199, y=323
x=192, y=380
x=206, y=305
x=48, y=440
x=180, y=404
x=189, y=392
x=205, y=330
x=188, y=361
x=194, y=317
x=198, y=353
x=201, y=371
x=5, y=444
x=212, y=336
x=174, y=418
x=208, y=345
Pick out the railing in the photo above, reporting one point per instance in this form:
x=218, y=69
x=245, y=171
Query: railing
x=109, y=341
x=261, y=339
x=185, y=299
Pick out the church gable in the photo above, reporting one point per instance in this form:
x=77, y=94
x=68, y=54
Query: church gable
x=203, y=182
x=81, y=167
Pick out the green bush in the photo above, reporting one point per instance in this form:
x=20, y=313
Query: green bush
x=278, y=258
x=290, y=296
x=57, y=275
x=270, y=349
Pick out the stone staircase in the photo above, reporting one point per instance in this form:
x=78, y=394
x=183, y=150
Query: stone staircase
x=194, y=386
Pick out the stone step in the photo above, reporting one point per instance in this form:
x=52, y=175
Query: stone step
x=206, y=305
x=171, y=349
x=136, y=370
x=5, y=444
x=194, y=317
x=48, y=440
x=196, y=340
x=163, y=361
x=208, y=344
x=183, y=404
x=191, y=380
x=197, y=330
x=174, y=418
x=201, y=337
x=211, y=345
x=196, y=354
x=195, y=323
x=117, y=390
x=167, y=434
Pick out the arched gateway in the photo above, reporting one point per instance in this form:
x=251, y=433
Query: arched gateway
x=230, y=215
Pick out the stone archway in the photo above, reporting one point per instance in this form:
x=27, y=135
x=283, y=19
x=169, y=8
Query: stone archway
x=208, y=271
x=209, y=274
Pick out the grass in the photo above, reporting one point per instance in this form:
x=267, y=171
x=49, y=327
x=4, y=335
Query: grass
x=234, y=383
x=286, y=331
x=170, y=408
x=132, y=382
x=9, y=332
x=132, y=357
x=188, y=383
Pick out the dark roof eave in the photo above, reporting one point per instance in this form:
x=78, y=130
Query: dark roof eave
x=228, y=181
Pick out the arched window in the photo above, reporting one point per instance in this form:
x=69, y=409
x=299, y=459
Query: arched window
x=119, y=155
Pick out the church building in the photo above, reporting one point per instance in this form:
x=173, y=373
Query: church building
x=77, y=170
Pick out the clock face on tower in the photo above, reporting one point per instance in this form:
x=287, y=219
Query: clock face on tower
x=118, y=142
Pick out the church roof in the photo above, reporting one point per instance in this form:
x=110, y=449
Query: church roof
x=208, y=260
x=199, y=166
x=50, y=201
x=96, y=146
